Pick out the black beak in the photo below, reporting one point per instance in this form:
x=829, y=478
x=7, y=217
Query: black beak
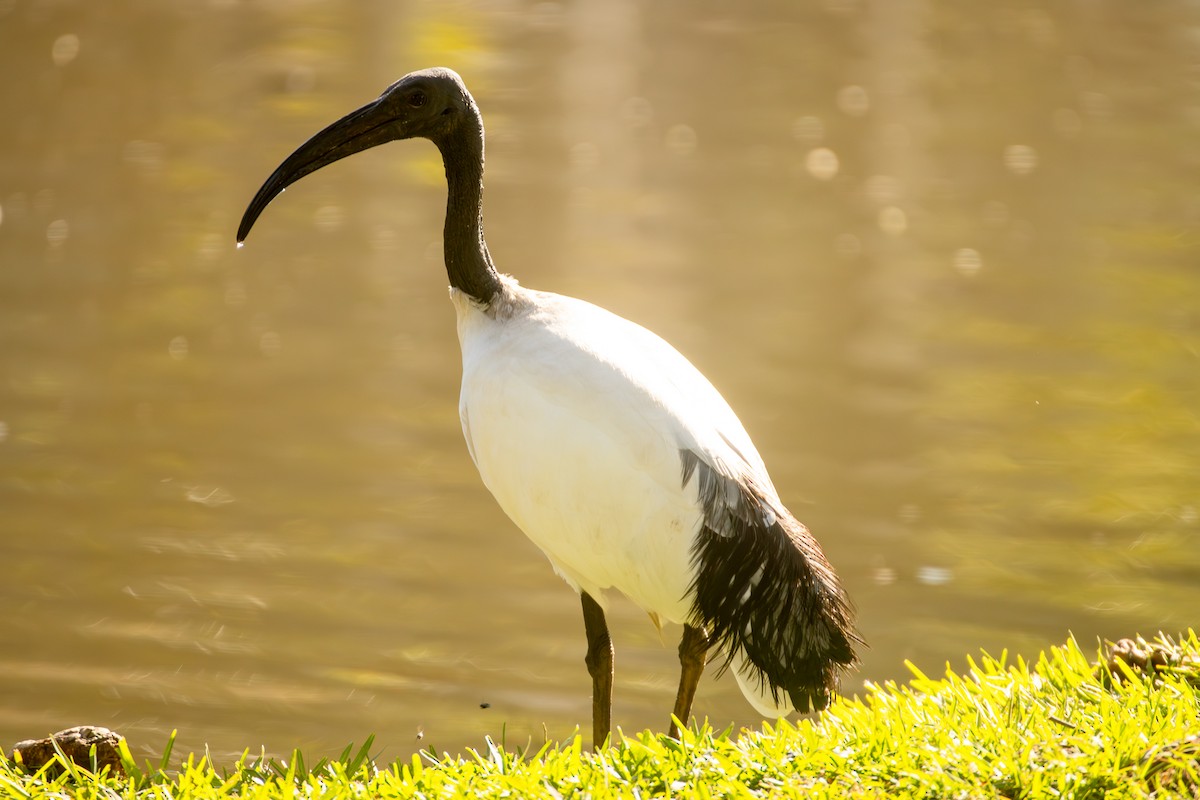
x=359, y=130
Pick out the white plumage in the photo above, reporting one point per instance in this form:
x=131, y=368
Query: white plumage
x=575, y=419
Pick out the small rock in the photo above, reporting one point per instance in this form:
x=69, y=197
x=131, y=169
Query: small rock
x=76, y=744
x=1139, y=655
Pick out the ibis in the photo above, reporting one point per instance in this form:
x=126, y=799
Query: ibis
x=609, y=450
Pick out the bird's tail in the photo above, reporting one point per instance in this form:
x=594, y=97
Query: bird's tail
x=767, y=596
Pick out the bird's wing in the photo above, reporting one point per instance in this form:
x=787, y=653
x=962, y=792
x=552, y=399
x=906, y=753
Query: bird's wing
x=763, y=588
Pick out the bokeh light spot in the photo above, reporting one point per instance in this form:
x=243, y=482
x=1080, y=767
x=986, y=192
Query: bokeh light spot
x=65, y=49
x=584, y=157
x=56, y=232
x=995, y=214
x=1096, y=104
x=144, y=156
x=883, y=576
x=934, y=576
x=882, y=190
x=808, y=129
x=847, y=246
x=235, y=294
x=300, y=79
x=178, y=348
x=210, y=247
x=967, y=261
x=853, y=101
x=43, y=201
x=821, y=163
x=682, y=140
x=269, y=344
x=384, y=239
x=329, y=218
x=1020, y=159
x=893, y=221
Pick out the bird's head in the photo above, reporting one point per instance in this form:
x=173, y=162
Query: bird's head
x=432, y=104
x=429, y=104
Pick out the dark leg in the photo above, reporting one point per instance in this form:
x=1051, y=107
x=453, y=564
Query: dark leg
x=599, y=662
x=693, y=648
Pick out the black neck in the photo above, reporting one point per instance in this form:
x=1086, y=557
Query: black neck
x=468, y=264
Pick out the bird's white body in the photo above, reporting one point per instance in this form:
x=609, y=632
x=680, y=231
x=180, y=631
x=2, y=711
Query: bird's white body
x=576, y=418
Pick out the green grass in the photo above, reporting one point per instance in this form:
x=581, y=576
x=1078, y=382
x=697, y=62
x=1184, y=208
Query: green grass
x=1056, y=727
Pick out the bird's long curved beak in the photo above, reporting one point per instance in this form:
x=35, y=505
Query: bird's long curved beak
x=359, y=130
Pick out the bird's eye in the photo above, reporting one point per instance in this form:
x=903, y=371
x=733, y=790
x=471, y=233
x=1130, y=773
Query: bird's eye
x=417, y=99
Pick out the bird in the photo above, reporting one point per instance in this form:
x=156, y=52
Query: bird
x=609, y=450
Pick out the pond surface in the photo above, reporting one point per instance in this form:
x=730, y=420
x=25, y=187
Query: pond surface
x=942, y=257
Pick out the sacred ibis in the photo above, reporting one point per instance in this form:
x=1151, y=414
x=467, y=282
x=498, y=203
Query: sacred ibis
x=609, y=449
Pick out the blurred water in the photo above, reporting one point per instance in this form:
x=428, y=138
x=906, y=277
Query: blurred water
x=941, y=257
